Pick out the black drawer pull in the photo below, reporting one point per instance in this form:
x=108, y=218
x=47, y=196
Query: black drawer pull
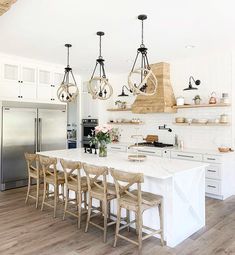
x=185, y=156
x=115, y=148
x=211, y=186
x=213, y=171
x=211, y=158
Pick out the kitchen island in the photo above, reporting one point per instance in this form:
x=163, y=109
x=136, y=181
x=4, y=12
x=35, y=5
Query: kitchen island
x=181, y=183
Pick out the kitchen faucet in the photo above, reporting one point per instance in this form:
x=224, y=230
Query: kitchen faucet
x=164, y=128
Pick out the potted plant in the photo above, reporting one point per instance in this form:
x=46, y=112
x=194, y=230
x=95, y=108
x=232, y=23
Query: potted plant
x=197, y=99
x=118, y=103
x=102, y=135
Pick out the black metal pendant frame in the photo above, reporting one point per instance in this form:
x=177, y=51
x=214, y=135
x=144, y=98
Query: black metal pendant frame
x=66, y=79
x=142, y=51
x=99, y=60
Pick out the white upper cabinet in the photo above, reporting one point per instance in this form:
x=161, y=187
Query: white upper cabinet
x=29, y=75
x=11, y=72
x=45, y=78
x=21, y=80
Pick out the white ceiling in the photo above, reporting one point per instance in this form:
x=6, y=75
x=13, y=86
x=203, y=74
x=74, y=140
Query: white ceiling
x=39, y=28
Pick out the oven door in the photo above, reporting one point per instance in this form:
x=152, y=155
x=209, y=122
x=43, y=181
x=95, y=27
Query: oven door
x=87, y=131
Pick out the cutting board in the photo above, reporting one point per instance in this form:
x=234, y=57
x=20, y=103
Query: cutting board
x=151, y=138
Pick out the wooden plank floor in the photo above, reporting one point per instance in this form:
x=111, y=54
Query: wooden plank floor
x=26, y=230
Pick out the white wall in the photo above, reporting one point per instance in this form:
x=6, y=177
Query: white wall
x=215, y=73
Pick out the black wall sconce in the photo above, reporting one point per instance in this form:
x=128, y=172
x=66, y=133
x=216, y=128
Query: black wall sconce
x=123, y=94
x=190, y=86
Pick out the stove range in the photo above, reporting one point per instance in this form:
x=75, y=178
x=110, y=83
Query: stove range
x=155, y=144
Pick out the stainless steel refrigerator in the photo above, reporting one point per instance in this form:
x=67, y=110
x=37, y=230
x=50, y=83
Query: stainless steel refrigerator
x=28, y=128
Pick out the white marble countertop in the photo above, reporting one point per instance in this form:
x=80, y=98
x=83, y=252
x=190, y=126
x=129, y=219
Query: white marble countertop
x=160, y=168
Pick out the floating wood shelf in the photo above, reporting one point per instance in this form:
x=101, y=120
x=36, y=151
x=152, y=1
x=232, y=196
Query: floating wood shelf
x=199, y=105
x=201, y=124
x=119, y=110
x=125, y=123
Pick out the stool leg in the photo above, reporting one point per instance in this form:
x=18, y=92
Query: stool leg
x=128, y=219
x=66, y=201
x=27, y=195
x=117, y=224
x=161, y=223
x=136, y=223
x=79, y=202
x=55, y=198
x=85, y=199
x=37, y=196
x=140, y=223
x=105, y=211
x=44, y=194
x=89, y=213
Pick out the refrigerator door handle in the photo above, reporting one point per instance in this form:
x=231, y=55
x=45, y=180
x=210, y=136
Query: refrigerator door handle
x=39, y=134
x=35, y=135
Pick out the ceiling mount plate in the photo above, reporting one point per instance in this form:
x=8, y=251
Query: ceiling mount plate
x=68, y=45
x=142, y=17
x=100, y=33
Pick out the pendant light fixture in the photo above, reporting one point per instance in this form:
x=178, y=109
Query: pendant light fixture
x=138, y=77
x=99, y=86
x=190, y=86
x=68, y=90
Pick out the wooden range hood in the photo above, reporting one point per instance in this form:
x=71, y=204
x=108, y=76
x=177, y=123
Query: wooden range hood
x=164, y=99
x=5, y=5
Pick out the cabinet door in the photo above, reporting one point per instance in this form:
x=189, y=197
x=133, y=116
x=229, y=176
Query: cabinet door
x=58, y=78
x=11, y=72
x=28, y=91
x=28, y=75
x=44, y=93
x=44, y=78
x=9, y=90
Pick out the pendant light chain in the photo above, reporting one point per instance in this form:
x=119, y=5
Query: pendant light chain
x=142, y=34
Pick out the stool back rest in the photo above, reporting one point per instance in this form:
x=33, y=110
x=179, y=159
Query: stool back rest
x=72, y=171
x=96, y=177
x=32, y=161
x=128, y=180
x=49, y=167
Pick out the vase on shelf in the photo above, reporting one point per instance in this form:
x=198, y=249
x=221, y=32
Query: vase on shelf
x=102, y=149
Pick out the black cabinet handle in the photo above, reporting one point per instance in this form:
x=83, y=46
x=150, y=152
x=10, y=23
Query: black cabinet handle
x=213, y=171
x=211, y=158
x=211, y=186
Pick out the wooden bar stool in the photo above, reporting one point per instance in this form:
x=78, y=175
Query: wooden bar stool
x=137, y=201
x=51, y=177
x=34, y=172
x=76, y=183
x=100, y=189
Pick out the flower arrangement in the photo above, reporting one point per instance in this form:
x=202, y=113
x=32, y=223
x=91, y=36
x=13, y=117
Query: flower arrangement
x=102, y=135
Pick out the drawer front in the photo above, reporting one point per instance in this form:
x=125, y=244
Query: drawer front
x=117, y=148
x=186, y=156
x=150, y=152
x=212, y=158
x=213, y=172
x=213, y=187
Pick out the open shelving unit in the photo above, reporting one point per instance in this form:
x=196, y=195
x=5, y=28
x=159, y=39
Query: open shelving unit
x=126, y=123
x=201, y=124
x=199, y=106
x=119, y=110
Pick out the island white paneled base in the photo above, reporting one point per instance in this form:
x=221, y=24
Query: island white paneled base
x=181, y=183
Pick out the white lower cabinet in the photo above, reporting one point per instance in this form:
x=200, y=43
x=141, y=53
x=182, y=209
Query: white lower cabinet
x=186, y=155
x=220, y=174
x=213, y=187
